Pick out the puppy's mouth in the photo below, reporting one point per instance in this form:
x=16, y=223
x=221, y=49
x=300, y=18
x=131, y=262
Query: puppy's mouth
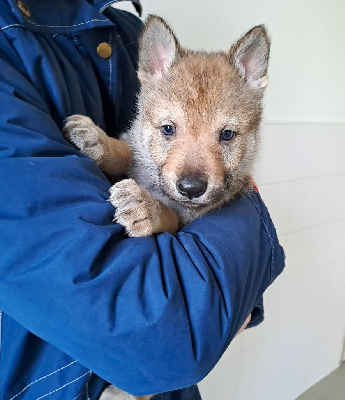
x=191, y=203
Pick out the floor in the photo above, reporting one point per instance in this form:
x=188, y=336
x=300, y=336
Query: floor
x=332, y=387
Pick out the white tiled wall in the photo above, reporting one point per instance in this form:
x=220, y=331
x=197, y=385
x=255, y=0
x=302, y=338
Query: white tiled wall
x=301, y=177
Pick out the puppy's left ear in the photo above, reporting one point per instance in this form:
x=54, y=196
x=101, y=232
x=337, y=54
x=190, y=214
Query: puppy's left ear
x=250, y=54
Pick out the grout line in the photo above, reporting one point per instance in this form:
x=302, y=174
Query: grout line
x=278, y=122
x=300, y=179
x=310, y=227
x=303, y=275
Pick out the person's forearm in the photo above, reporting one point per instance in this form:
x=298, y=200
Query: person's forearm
x=119, y=306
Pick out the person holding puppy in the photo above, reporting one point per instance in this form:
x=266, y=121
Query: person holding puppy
x=81, y=304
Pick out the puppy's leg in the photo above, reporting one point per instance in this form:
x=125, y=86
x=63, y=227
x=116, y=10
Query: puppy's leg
x=111, y=155
x=139, y=212
x=113, y=393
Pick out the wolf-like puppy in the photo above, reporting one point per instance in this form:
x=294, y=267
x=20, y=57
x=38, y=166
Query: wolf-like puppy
x=193, y=142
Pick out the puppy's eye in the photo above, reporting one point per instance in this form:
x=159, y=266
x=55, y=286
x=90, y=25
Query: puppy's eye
x=168, y=130
x=227, y=134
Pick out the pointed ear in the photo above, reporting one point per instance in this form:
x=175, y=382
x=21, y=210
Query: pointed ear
x=250, y=57
x=158, y=50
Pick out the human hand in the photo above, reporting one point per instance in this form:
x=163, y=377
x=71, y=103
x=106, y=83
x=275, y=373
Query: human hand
x=246, y=322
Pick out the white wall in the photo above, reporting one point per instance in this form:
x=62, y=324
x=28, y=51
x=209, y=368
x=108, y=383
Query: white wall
x=301, y=176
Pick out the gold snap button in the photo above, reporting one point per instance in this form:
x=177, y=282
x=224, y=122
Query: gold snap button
x=104, y=50
x=24, y=9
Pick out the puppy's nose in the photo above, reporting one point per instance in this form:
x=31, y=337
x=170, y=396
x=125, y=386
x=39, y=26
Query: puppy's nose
x=191, y=186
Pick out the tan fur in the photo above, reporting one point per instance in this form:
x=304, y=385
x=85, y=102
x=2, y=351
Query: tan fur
x=200, y=95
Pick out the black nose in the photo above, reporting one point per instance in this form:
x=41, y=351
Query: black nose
x=191, y=186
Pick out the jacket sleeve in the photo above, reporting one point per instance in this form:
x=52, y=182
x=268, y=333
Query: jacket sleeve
x=147, y=314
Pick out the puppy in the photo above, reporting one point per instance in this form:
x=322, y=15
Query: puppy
x=193, y=142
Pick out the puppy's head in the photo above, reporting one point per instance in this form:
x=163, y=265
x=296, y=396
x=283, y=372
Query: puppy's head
x=201, y=112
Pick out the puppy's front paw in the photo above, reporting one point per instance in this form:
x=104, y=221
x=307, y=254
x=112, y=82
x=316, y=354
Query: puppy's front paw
x=86, y=136
x=136, y=209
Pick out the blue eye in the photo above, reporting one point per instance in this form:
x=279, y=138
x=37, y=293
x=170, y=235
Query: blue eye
x=168, y=130
x=227, y=134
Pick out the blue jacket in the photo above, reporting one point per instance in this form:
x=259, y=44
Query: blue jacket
x=80, y=302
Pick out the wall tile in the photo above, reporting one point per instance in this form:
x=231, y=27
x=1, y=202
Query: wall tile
x=221, y=383
x=329, y=243
x=277, y=199
x=304, y=204
x=331, y=198
x=275, y=156
x=299, y=248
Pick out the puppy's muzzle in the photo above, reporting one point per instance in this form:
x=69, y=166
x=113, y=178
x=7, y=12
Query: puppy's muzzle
x=191, y=186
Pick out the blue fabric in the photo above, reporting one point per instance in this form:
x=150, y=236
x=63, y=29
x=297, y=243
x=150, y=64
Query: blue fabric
x=81, y=303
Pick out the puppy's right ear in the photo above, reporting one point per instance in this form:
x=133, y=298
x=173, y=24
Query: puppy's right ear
x=158, y=49
x=250, y=54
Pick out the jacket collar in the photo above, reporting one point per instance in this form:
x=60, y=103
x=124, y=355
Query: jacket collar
x=63, y=16
x=103, y=4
